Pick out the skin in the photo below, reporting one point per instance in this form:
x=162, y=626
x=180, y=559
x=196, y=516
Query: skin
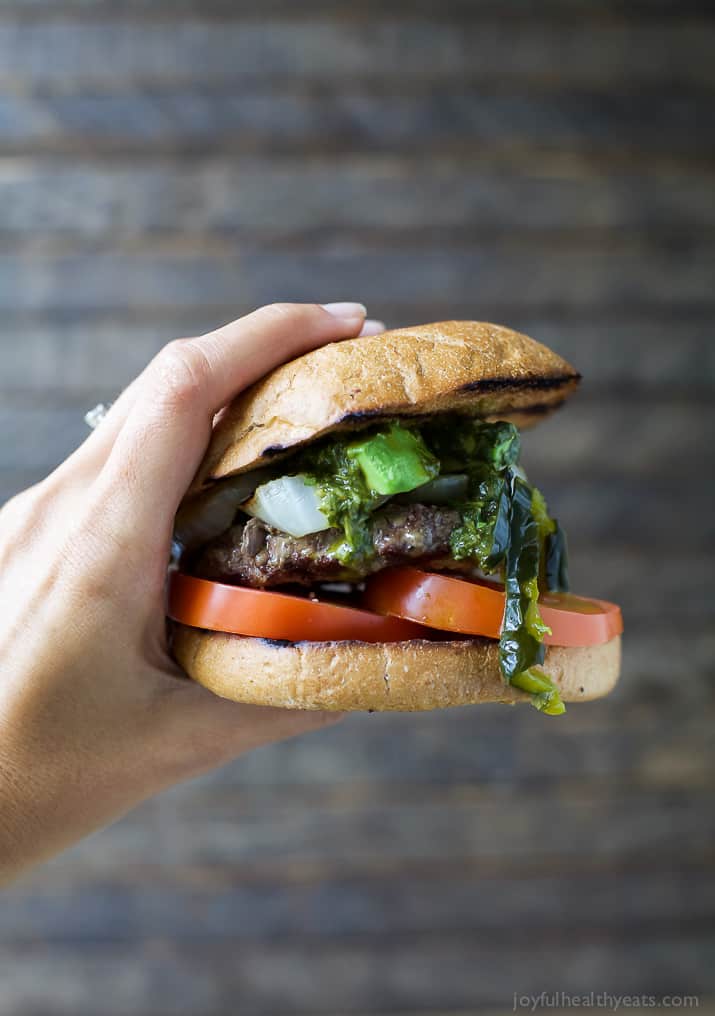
x=95, y=716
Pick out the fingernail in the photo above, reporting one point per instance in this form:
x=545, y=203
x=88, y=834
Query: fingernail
x=345, y=311
x=373, y=327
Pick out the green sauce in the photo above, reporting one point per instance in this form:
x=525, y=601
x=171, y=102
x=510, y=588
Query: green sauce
x=505, y=527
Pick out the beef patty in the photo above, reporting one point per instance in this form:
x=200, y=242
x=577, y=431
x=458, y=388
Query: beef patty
x=255, y=554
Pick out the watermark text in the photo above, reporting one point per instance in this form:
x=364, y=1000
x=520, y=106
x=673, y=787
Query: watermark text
x=602, y=1000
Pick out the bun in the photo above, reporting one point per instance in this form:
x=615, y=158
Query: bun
x=406, y=676
x=467, y=367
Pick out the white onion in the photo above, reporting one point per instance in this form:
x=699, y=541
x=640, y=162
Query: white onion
x=441, y=490
x=290, y=504
x=205, y=515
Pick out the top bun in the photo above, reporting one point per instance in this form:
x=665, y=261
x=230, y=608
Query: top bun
x=467, y=367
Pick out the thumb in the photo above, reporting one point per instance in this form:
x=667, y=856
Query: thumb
x=163, y=440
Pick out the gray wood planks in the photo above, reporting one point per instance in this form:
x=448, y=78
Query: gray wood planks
x=441, y=904
x=493, y=278
x=300, y=977
x=526, y=11
x=104, y=53
x=494, y=829
x=292, y=119
x=289, y=196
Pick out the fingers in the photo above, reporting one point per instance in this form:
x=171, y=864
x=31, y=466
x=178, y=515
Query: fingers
x=165, y=434
x=373, y=327
x=91, y=455
x=105, y=435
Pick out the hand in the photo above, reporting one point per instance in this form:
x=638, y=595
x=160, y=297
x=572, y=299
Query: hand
x=94, y=714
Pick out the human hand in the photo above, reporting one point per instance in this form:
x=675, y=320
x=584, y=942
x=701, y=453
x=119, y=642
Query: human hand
x=94, y=714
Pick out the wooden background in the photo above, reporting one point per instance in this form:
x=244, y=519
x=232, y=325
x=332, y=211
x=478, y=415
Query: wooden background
x=164, y=167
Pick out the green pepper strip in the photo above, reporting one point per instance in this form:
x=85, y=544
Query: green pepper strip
x=521, y=646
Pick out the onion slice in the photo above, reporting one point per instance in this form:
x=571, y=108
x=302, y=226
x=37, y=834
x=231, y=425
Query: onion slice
x=211, y=512
x=290, y=504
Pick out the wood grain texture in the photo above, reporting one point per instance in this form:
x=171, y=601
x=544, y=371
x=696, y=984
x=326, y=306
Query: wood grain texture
x=287, y=196
x=491, y=906
x=405, y=118
x=394, y=825
x=284, y=977
x=166, y=165
x=369, y=10
x=109, y=52
x=506, y=277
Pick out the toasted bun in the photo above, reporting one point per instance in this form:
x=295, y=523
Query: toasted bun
x=407, y=676
x=467, y=367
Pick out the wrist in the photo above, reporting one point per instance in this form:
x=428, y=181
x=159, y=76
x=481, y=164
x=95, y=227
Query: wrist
x=56, y=789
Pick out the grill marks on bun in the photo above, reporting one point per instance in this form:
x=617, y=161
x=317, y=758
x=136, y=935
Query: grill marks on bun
x=468, y=367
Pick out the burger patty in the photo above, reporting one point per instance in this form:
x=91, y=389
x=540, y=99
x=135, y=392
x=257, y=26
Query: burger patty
x=255, y=554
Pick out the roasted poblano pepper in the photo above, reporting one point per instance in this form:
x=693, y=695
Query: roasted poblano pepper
x=505, y=527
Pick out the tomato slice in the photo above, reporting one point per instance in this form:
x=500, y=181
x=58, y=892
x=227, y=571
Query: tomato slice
x=263, y=614
x=476, y=608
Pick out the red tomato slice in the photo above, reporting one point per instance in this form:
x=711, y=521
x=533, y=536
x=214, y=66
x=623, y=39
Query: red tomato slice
x=476, y=608
x=268, y=615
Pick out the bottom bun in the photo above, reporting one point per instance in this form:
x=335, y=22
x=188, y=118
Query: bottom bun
x=405, y=676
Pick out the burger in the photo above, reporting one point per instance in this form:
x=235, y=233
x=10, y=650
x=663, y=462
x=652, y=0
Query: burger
x=361, y=535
